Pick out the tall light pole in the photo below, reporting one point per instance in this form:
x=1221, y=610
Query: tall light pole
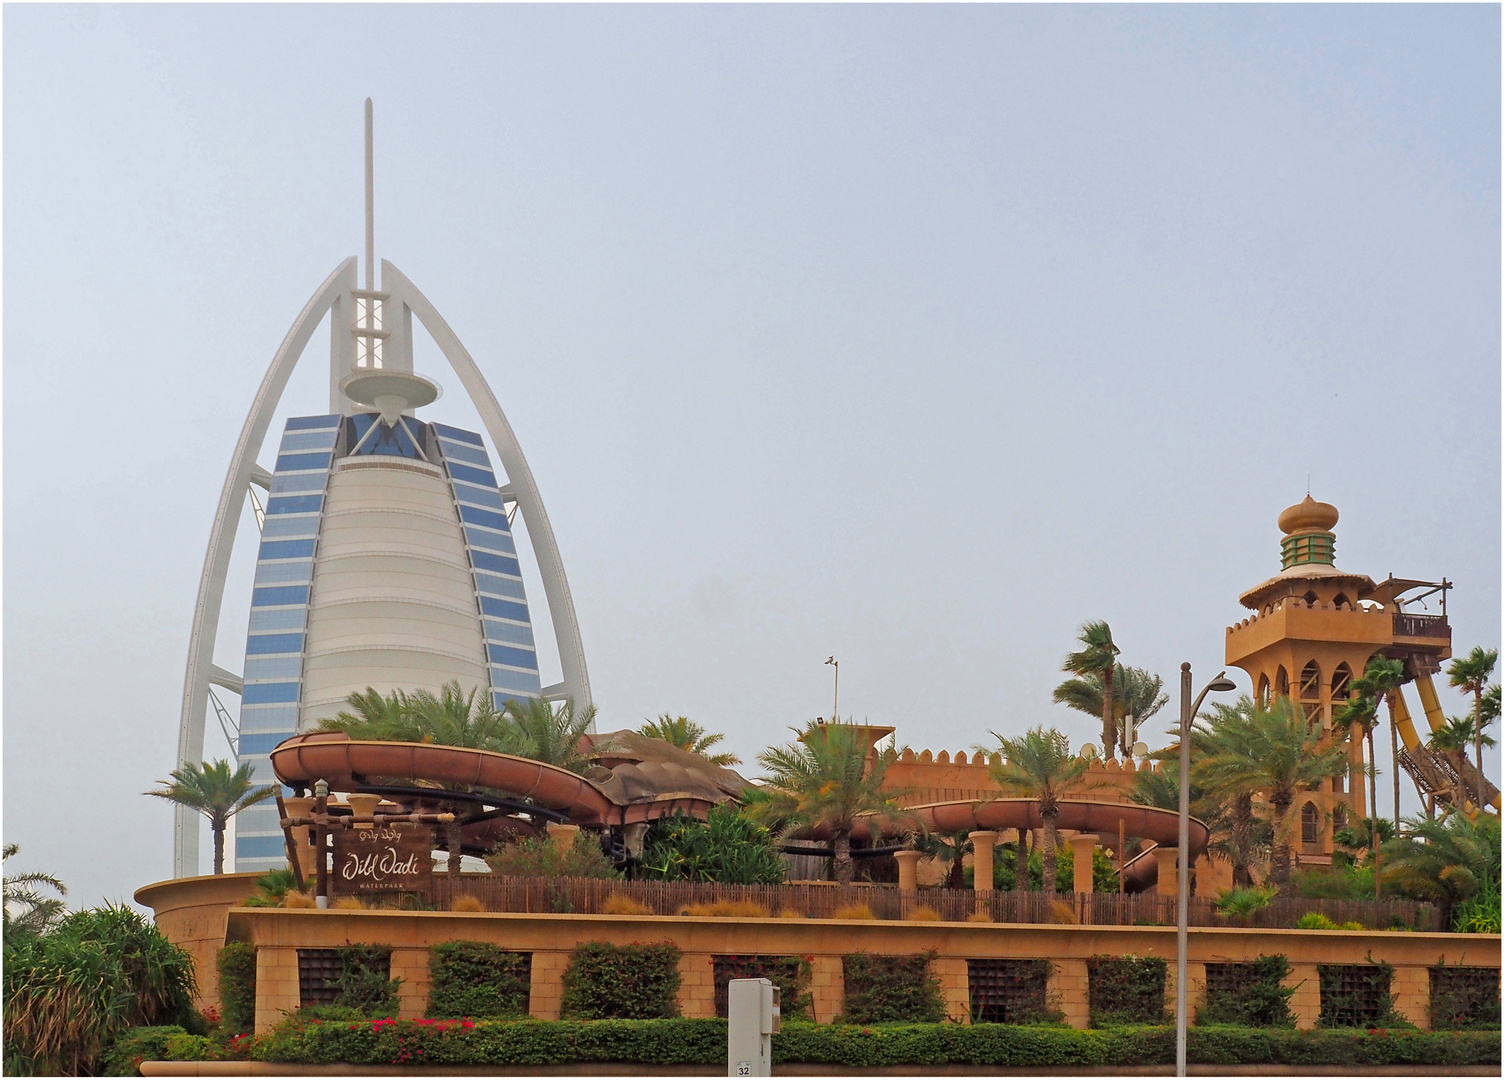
x=835, y=714
x=1221, y=684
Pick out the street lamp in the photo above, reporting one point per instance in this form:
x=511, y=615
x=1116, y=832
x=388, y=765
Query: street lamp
x=1221, y=684
x=835, y=713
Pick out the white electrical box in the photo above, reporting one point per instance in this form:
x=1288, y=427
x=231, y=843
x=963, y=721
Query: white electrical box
x=753, y=1012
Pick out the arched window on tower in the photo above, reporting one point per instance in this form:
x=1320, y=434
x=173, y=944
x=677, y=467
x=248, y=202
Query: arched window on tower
x=1342, y=683
x=1339, y=817
x=1341, y=601
x=1310, y=825
x=1310, y=692
x=1263, y=694
x=1310, y=599
x=1281, y=682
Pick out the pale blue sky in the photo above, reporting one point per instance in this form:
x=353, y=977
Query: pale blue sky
x=916, y=335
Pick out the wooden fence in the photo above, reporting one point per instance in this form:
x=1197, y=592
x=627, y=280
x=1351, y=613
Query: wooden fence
x=590, y=896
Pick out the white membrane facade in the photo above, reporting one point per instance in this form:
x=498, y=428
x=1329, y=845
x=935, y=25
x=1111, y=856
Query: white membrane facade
x=387, y=558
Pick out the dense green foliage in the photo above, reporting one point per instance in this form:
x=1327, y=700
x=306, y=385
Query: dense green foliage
x=891, y=989
x=1450, y=862
x=703, y=1042
x=237, y=986
x=684, y=733
x=542, y=857
x=1039, y=765
x=621, y=982
x=727, y=846
x=791, y=974
x=1104, y=870
x=364, y=984
x=70, y=992
x=1125, y=990
x=1259, y=999
x=132, y=1047
x=476, y=978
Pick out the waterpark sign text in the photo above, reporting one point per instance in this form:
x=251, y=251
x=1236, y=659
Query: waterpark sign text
x=383, y=858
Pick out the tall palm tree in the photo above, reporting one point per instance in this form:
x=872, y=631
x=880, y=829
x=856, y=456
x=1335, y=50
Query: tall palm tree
x=450, y=718
x=1162, y=789
x=684, y=733
x=1470, y=674
x=36, y=913
x=1381, y=680
x=1445, y=861
x=1274, y=750
x=217, y=793
x=1135, y=693
x=552, y=735
x=1356, y=718
x=1097, y=656
x=1039, y=765
x=828, y=778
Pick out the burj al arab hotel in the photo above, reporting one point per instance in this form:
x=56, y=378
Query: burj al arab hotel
x=386, y=557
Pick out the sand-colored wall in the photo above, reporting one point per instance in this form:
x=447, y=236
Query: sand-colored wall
x=278, y=933
x=191, y=912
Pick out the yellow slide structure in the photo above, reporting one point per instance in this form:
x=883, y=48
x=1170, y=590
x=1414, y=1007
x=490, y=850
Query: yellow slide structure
x=1419, y=752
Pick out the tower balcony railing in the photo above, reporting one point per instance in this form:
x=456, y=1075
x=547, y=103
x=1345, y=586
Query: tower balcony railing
x=1421, y=626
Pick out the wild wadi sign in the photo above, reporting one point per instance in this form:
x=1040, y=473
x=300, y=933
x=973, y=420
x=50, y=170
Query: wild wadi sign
x=382, y=858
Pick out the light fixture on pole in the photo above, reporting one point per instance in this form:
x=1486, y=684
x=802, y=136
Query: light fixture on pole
x=835, y=712
x=1221, y=684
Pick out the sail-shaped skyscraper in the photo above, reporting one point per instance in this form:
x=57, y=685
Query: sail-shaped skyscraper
x=386, y=556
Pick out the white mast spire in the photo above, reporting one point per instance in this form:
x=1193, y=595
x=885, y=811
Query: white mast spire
x=370, y=203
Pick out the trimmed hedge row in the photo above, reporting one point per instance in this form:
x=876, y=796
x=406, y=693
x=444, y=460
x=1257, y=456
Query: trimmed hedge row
x=703, y=1042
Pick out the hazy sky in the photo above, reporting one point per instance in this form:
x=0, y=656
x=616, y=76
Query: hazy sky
x=912, y=335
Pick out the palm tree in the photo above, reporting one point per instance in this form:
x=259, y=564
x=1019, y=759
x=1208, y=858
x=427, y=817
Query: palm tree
x=950, y=847
x=1446, y=861
x=217, y=793
x=1162, y=789
x=552, y=735
x=450, y=718
x=1356, y=718
x=37, y=913
x=1039, y=765
x=829, y=778
x=1381, y=680
x=1470, y=674
x=1274, y=750
x=1097, y=656
x=684, y=733
x=1135, y=693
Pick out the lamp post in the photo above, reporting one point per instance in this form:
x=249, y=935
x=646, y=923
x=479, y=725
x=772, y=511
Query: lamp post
x=835, y=712
x=1221, y=684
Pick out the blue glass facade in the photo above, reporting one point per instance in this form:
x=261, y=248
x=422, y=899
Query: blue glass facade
x=279, y=613
x=510, y=652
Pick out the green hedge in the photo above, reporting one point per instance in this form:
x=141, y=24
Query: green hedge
x=891, y=989
x=476, y=978
x=703, y=1042
x=1125, y=990
x=237, y=986
x=1258, y=999
x=134, y=1046
x=621, y=982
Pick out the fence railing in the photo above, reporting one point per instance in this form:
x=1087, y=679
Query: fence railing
x=1427, y=626
x=590, y=896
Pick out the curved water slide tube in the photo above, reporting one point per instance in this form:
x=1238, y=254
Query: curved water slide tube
x=1405, y=728
x=347, y=764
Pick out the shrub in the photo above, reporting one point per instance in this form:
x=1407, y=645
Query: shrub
x=726, y=909
x=476, y=978
x=1315, y=920
x=703, y=1042
x=363, y=982
x=294, y=899
x=135, y=1045
x=1479, y=913
x=1125, y=990
x=1357, y=995
x=923, y=914
x=1248, y=995
x=791, y=974
x=466, y=904
x=979, y=916
x=855, y=911
x=727, y=846
x=891, y=989
x=1243, y=904
x=347, y=903
x=271, y=887
x=617, y=904
x=625, y=982
x=542, y=857
x=791, y=913
x=69, y=992
x=1464, y=998
x=1062, y=914
x=237, y=986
